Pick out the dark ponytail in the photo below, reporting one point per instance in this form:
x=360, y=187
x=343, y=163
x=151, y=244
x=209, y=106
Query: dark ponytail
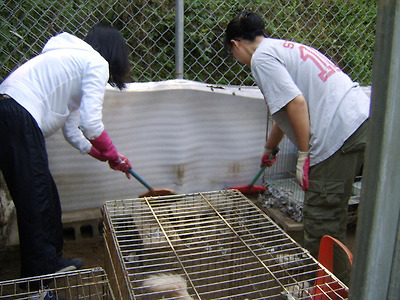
x=111, y=45
x=247, y=26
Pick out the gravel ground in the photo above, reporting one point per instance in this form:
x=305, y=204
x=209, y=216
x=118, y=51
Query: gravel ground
x=91, y=251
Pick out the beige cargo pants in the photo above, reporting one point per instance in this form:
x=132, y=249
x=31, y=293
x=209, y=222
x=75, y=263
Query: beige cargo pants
x=326, y=200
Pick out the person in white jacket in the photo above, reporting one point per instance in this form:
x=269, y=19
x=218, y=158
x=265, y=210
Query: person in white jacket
x=321, y=110
x=62, y=87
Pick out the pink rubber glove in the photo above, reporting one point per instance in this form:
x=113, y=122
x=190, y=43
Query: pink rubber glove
x=104, y=149
x=96, y=154
x=302, y=169
x=265, y=160
x=122, y=166
x=105, y=146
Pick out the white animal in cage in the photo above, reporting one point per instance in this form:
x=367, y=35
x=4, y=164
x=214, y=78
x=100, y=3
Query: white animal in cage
x=167, y=283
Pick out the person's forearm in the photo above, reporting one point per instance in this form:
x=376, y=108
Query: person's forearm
x=275, y=137
x=297, y=112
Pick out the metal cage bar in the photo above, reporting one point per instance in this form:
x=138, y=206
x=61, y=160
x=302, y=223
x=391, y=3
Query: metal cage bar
x=212, y=245
x=81, y=284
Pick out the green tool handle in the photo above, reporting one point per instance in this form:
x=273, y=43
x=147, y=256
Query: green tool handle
x=262, y=169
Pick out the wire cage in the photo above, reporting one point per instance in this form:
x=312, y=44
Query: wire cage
x=210, y=245
x=282, y=189
x=80, y=284
x=287, y=196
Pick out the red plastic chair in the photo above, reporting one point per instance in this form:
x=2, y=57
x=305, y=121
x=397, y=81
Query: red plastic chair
x=326, y=287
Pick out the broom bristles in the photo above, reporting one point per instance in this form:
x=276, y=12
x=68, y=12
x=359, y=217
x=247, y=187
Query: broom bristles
x=248, y=189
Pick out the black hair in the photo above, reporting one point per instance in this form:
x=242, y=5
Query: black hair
x=246, y=26
x=111, y=45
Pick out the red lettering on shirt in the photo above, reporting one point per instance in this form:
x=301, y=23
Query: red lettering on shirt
x=326, y=67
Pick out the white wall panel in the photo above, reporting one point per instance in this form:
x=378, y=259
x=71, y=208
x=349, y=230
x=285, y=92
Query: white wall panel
x=177, y=134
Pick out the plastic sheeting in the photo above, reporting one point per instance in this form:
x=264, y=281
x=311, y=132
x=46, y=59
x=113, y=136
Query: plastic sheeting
x=178, y=134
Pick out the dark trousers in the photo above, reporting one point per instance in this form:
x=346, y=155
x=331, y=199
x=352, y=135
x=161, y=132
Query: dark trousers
x=326, y=201
x=24, y=164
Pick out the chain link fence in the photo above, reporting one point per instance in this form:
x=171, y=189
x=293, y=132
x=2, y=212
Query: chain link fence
x=343, y=30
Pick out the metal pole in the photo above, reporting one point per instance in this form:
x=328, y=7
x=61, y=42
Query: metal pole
x=376, y=270
x=179, y=24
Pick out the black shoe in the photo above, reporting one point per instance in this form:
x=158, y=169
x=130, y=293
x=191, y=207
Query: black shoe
x=67, y=264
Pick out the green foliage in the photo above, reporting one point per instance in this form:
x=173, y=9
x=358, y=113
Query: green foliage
x=343, y=30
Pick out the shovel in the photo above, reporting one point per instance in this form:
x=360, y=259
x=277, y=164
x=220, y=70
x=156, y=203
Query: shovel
x=152, y=192
x=251, y=188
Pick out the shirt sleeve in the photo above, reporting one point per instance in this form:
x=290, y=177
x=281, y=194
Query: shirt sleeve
x=73, y=134
x=85, y=119
x=94, y=82
x=274, y=81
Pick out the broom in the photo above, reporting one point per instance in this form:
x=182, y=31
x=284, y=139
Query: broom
x=152, y=192
x=251, y=188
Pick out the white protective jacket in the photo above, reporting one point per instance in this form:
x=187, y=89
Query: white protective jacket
x=63, y=87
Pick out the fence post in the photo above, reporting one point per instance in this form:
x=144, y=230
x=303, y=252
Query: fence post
x=377, y=247
x=179, y=10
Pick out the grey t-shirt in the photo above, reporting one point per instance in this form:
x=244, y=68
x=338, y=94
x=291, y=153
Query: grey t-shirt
x=337, y=106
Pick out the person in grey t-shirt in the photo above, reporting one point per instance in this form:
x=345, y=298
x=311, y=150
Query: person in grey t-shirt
x=320, y=109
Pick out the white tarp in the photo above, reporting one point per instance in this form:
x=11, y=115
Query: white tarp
x=178, y=134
